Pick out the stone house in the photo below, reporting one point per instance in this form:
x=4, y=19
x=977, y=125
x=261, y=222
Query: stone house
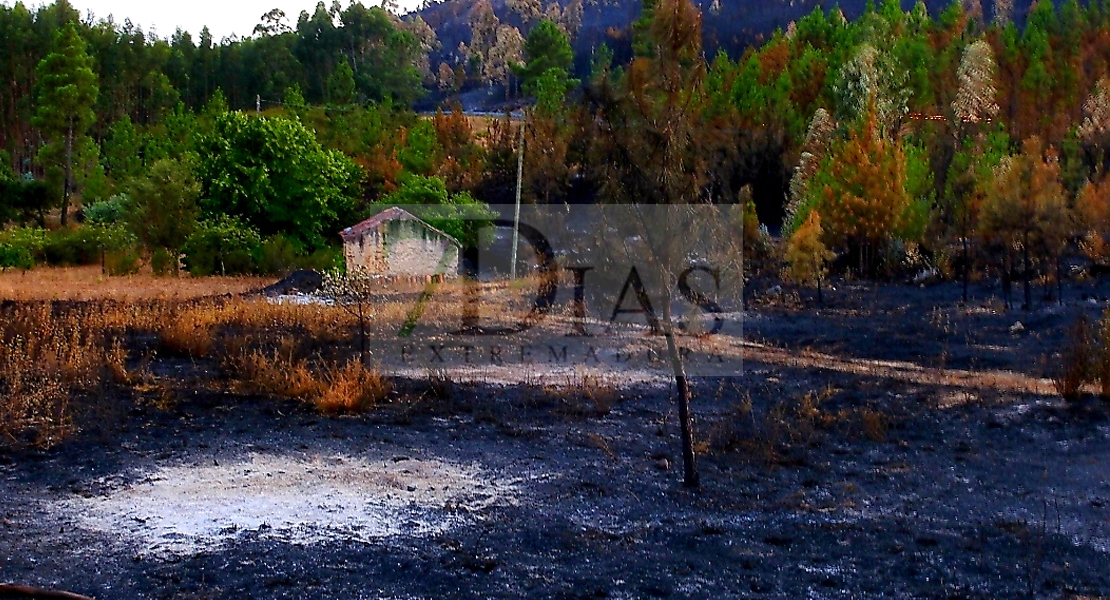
x=395, y=243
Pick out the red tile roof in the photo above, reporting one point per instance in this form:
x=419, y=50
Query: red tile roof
x=393, y=213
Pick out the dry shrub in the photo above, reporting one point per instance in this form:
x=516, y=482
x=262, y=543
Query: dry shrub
x=349, y=388
x=782, y=433
x=583, y=394
x=274, y=374
x=1077, y=361
x=440, y=386
x=1101, y=367
x=352, y=388
x=87, y=283
x=874, y=424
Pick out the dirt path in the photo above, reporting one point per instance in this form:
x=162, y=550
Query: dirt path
x=908, y=372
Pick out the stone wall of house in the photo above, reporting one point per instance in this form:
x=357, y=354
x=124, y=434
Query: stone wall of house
x=402, y=248
x=365, y=253
x=419, y=257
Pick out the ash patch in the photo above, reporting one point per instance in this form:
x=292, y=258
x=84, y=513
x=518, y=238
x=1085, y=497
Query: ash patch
x=302, y=500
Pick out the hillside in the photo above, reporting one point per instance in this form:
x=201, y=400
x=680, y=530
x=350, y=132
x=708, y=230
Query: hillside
x=729, y=25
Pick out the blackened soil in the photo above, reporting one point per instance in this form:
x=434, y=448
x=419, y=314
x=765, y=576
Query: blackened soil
x=1006, y=496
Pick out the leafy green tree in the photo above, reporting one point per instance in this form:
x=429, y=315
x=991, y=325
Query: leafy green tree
x=273, y=174
x=67, y=91
x=25, y=200
x=420, y=155
x=108, y=212
x=164, y=210
x=546, y=49
x=221, y=246
x=458, y=215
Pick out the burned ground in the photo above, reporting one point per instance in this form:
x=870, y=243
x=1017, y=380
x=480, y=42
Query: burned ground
x=817, y=482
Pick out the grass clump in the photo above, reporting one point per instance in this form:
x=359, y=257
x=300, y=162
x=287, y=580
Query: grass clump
x=583, y=395
x=352, y=388
x=332, y=388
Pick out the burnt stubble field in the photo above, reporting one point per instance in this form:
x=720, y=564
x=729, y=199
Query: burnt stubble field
x=889, y=443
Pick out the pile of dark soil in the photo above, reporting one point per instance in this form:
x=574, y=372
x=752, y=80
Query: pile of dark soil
x=305, y=281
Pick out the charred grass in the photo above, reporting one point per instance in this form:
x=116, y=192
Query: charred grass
x=784, y=432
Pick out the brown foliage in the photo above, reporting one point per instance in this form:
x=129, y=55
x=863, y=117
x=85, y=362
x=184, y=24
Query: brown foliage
x=862, y=205
x=806, y=254
x=1092, y=209
x=1076, y=362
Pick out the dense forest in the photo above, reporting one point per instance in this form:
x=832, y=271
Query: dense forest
x=897, y=140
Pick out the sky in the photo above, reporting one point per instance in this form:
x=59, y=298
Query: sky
x=223, y=17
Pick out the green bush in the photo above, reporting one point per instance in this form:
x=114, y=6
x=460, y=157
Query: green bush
x=277, y=255
x=107, y=211
x=326, y=260
x=162, y=262
x=222, y=246
x=29, y=239
x=121, y=262
x=72, y=247
x=85, y=245
x=15, y=257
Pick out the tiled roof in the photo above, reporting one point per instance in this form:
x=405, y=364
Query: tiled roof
x=393, y=213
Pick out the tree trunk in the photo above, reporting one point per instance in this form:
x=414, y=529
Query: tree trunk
x=967, y=267
x=690, y=477
x=1007, y=271
x=68, y=184
x=1059, y=282
x=820, y=297
x=1025, y=273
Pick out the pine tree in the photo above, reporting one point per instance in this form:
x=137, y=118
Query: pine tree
x=1026, y=207
x=1095, y=129
x=1093, y=214
x=341, y=84
x=67, y=91
x=863, y=197
x=806, y=254
x=976, y=95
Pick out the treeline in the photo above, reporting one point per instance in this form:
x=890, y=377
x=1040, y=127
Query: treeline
x=890, y=146
x=894, y=143
x=331, y=55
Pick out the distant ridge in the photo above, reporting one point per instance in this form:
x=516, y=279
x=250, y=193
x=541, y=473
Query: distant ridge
x=732, y=25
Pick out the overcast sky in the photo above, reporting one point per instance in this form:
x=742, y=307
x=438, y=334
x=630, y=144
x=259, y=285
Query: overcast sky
x=223, y=17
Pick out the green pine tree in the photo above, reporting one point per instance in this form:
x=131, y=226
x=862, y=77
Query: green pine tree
x=67, y=90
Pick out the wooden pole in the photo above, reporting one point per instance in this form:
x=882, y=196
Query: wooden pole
x=516, y=212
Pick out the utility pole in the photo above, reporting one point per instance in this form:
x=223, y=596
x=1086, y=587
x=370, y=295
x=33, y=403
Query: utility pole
x=516, y=214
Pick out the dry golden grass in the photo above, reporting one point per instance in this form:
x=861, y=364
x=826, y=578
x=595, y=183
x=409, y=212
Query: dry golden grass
x=88, y=283
x=783, y=432
x=45, y=359
x=352, y=388
x=331, y=387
